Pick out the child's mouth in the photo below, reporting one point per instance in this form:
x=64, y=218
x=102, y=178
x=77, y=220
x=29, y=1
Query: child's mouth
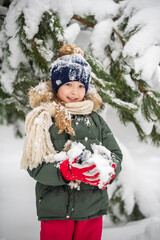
x=73, y=99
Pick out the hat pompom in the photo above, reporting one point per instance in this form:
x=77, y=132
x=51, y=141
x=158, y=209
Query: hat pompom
x=69, y=49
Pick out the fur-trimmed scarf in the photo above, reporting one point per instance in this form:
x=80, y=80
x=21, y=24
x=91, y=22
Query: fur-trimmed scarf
x=38, y=147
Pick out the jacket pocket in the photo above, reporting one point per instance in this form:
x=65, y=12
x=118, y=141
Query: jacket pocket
x=45, y=194
x=52, y=202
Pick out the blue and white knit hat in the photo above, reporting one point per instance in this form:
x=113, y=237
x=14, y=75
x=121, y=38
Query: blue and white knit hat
x=70, y=68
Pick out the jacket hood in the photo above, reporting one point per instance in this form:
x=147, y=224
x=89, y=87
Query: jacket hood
x=43, y=93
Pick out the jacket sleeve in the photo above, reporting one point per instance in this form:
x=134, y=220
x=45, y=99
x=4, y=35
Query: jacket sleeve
x=48, y=174
x=111, y=144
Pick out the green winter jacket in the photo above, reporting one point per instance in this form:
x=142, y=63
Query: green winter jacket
x=54, y=197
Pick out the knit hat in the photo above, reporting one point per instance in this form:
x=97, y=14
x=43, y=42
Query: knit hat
x=70, y=68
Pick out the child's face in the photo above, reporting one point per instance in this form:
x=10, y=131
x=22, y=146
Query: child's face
x=71, y=92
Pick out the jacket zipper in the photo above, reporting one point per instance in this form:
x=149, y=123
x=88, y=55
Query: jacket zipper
x=45, y=194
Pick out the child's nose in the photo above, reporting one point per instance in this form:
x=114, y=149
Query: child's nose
x=75, y=90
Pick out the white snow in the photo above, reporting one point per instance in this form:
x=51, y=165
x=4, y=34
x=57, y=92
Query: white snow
x=144, y=43
x=33, y=11
x=101, y=157
x=147, y=63
x=147, y=229
x=125, y=104
x=101, y=9
x=71, y=32
x=148, y=35
x=58, y=82
x=75, y=150
x=60, y=156
x=44, y=51
x=100, y=36
x=86, y=139
x=17, y=53
x=140, y=168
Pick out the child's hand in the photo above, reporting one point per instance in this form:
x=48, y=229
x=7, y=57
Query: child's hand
x=82, y=172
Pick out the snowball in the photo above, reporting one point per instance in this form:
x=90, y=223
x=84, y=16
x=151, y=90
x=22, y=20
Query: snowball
x=61, y=156
x=75, y=151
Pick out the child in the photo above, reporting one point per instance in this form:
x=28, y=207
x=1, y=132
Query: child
x=63, y=132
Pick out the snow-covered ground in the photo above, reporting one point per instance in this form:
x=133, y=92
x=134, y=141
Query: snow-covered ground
x=18, y=219
x=147, y=229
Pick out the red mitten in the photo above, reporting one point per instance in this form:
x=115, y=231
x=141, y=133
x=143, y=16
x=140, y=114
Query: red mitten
x=76, y=171
x=112, y=176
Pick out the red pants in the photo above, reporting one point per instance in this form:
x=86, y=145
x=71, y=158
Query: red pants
x=71, y=230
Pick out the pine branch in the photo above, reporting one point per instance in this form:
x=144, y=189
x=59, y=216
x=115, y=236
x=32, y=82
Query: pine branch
x=155, y=136
x=110, y=54
x=110, y=87
x=89, y=24
x=92, y=25
x=49, y=28
x=39, y=60
x=120, y=37
x=84, y=21
x=142, y=89
x=34, y=48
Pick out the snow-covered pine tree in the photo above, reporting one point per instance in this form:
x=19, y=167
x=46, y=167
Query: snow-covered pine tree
x=32, y=62
x=28, y=47
x=121, y=40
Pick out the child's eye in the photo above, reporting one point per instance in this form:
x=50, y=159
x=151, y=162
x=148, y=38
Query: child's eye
x=68, y=84
x=82, y=86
